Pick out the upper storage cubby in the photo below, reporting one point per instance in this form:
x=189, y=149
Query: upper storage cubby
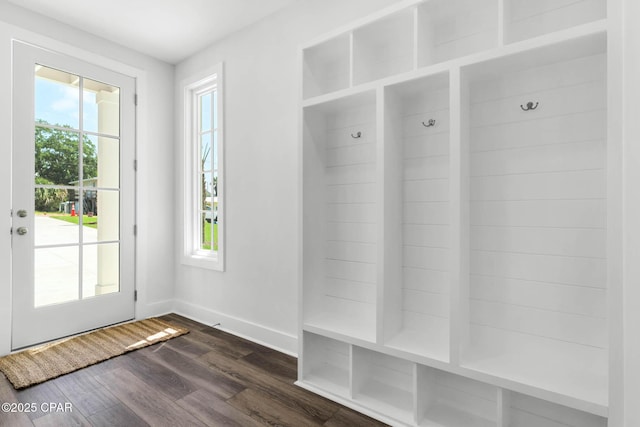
x=537, y=149
x=530, y=18
x=384, y=48
x=417, y=216
x=327, y=66
x=341, y=210
x=449, y=29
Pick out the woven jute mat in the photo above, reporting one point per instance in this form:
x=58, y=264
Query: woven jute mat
x=39, y=364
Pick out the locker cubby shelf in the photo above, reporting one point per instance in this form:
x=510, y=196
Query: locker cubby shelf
x=449, y=29
x=417, y=212
x=454, y=214
x=537, y=218
x=340, y=251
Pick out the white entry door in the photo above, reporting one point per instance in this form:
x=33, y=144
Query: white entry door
x=73, y=196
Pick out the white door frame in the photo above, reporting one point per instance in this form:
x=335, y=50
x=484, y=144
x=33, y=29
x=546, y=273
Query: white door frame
x=31, y=325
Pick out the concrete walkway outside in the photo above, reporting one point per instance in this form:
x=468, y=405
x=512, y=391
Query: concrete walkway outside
x=57, y=270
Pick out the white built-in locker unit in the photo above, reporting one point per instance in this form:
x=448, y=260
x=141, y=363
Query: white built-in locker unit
x=456, y=214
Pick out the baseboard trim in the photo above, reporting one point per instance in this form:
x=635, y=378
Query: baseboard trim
x=154, y=309
x=272, y=338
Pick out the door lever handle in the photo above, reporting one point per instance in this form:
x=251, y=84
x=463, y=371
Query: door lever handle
x=22, y=231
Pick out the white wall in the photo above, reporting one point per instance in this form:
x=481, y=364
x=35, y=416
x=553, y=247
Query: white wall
x=155, y=261
x=257, y=295
x=631, y=222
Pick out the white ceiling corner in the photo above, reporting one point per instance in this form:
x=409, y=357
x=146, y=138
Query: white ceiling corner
x=170, y=30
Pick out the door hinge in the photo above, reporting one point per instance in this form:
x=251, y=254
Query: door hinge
x=135, y=99
x=135, y=295
x=135, y=165
x=135, y=230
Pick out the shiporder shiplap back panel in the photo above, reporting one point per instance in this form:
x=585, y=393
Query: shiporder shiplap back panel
x=526, y=19
x=343, y=192
x=384, y=48
x=451, y=29
x=327, y=364
x=531, y=412
x=455, y=214
x=422, y=139
x=542, y=187
x=326, y=67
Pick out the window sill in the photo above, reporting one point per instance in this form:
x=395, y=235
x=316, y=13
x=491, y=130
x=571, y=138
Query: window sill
x=206, y=262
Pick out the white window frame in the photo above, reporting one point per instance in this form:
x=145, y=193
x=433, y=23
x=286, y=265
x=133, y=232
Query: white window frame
x=192, y=254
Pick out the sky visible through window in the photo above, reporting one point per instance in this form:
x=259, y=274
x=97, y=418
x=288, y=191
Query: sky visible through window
x=58, y=104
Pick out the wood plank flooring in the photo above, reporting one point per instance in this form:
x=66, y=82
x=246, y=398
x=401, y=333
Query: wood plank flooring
x=204, y=378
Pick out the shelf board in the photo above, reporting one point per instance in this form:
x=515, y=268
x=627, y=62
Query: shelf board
x=563, y=379
x=331, y=379
x=446, y=416
x=342, y=325
x=349, y=403
x=387, y=400
x=431, y=345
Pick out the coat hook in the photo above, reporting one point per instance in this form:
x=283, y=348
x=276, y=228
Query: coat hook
x=357, y=135
x=432, y=122
x=529, y=107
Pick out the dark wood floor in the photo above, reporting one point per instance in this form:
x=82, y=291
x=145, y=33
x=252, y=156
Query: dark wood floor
x=204, y=378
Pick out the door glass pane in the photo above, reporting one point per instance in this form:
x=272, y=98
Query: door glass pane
x=100, y=272
x=101, y=159
x=57, y=155
x=57, y=97
x=57, y=222
x=89, y=160
x=102, y=216
x=101, y=108
x=70, y=193
x=56, y=275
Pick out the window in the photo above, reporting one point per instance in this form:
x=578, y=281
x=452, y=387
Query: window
x=203, y=189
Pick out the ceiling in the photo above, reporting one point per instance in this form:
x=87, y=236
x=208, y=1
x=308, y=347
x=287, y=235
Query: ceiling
x=170, y=30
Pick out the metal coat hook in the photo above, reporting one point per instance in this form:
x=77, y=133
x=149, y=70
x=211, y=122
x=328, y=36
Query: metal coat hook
x=431, y=122
x=529, y=106
x=357, y=135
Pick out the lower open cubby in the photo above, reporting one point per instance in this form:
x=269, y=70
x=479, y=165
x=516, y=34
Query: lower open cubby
x=326, y=364
x=383, y=383
x=405, y=393
x=527, y=411
x=445, y=399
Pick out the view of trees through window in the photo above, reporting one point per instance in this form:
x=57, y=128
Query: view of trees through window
x=57, y=163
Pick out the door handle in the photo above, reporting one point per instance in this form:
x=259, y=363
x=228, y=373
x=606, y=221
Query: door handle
x=22, y=213
x=22, y=231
